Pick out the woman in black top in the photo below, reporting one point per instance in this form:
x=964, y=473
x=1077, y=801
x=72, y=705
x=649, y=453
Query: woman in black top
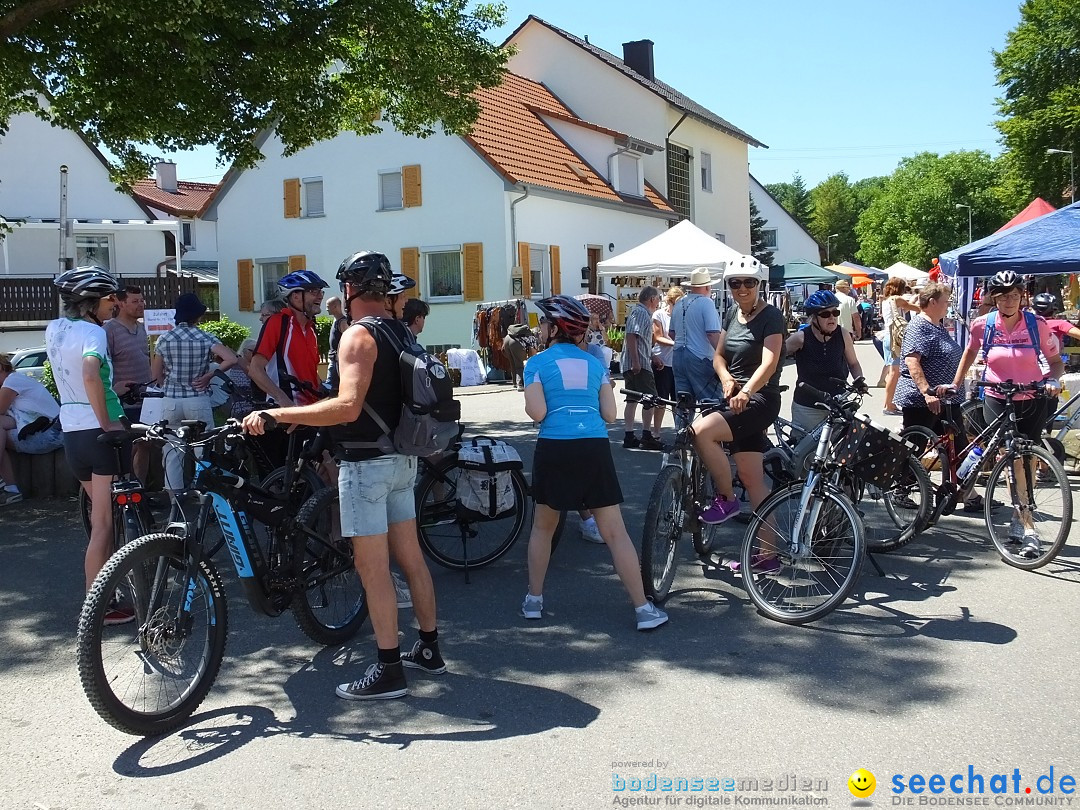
x=747, y=361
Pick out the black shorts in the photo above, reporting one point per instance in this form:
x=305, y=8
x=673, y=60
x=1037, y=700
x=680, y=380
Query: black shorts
x=133, y=413
x=641, y=381
x=665, y=382
x=575, y=474
x=749, y=427
x=86, y=456
x=1030, y=415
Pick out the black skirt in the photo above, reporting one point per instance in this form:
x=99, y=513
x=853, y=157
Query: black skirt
x=573, y=474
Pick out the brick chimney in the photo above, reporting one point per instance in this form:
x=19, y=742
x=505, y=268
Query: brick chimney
x=638, y=57
x=165, y=175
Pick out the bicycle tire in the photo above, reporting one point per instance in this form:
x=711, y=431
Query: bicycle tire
x=704, y=534
x=661, y=532
x=333, y=607
x=150, y=645
x=1046, y=512
x=440, y=524
x=805, y=589
x=925, y=439
x=909, y=503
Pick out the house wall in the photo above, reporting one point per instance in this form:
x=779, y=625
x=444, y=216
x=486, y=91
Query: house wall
x=792, y=242
x=603, y=95
x=30, y=189
x=205, y=249
x=463, y=201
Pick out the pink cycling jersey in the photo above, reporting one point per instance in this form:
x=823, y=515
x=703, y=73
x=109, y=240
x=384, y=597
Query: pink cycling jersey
x=1060, y=329
x=1011, y=356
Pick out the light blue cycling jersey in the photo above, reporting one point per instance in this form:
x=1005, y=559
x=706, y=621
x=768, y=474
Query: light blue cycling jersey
x=571, y=379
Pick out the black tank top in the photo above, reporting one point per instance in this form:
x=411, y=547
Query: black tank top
x=383, y=396
x=818, y=363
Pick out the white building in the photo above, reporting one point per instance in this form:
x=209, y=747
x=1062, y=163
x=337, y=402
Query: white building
x=783, y=234
x=171, y=199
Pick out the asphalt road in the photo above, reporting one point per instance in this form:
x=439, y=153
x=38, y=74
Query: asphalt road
x=950, y=660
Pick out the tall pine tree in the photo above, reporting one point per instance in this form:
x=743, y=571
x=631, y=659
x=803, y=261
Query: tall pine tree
x=758, y=248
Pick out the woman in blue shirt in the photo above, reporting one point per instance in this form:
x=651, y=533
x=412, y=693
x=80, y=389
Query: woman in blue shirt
x=568, y=391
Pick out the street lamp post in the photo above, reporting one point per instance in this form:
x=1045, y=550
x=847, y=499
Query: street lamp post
x=1072, y=170
x=968, y=207
x=828, y=246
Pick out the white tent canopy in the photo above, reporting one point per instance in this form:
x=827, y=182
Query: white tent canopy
x=676, y=252
x=906, y=272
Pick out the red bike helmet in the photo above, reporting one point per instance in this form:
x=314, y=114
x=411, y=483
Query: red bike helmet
x=568, y=314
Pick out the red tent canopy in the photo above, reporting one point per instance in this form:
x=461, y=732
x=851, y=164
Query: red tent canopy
x=1035, y=209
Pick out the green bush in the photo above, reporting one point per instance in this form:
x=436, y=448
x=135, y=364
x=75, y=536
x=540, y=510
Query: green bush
x=323, y=323
x=49, y=381
x=231, y=333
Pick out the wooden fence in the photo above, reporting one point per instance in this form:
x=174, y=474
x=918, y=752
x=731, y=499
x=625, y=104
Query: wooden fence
x=36, y=299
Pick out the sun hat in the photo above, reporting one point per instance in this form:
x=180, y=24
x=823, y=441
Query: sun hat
x=189, y=308
x=702, y=277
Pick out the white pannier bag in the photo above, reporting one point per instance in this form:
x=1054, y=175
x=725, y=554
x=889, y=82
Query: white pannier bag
x=485, y=485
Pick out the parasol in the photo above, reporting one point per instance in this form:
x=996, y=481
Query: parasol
x=599, y=305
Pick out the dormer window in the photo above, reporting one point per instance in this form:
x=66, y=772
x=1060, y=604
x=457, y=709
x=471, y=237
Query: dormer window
x=628, y=174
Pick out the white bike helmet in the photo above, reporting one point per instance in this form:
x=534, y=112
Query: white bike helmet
x=746, y=267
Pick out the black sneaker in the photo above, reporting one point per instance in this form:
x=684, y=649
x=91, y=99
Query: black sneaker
x=424, y=656
x=380, y=682
x=631, y=442
x=650, y=442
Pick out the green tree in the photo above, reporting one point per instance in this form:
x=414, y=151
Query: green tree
x=833, y=211
x=794, y=197
x=1039, y=71
x=130, y=74
x=758, y=249
x=914, y=217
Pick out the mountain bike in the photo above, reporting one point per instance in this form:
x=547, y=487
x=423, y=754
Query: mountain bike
x=149, y=676
x=804, y=548
x=1031, y=475
x=682, y=490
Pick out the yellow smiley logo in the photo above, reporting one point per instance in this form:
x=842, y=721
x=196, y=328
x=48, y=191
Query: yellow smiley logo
x=861, y=783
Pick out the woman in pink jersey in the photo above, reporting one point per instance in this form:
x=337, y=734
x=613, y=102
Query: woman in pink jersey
x=1019, y=346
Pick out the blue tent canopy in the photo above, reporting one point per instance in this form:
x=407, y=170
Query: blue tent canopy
x=1046, y=245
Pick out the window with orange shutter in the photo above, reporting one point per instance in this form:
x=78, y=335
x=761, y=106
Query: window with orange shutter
x=292, y=197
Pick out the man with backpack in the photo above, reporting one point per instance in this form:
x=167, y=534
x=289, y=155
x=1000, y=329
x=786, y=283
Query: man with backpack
x=375, y=478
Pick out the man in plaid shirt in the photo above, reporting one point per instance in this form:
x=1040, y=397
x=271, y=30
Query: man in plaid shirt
x=182, y=367
x=637, y=367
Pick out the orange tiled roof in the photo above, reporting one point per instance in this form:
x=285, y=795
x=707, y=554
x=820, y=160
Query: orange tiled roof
x=189, y=199
x=522, y=148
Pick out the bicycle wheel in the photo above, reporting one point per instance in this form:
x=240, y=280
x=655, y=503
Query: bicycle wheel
x=332, y=606
x=451, y=539
x=932, y=456
x=661, y=533
x=803, y=587
x=907, y=503
x=704, y=534
x=148, y=676
x=84, y=511
x=1050, y=497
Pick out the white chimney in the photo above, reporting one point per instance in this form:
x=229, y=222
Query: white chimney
x=165, y=171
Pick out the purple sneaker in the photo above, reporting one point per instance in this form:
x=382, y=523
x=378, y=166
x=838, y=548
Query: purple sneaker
x=759, y=564
x=720, y=511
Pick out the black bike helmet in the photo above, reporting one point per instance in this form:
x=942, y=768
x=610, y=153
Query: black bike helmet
x=1005, y=280
x=1047, y=304
x=85, y=283
x=369, y=271
x=822, y=299
x=567, y=313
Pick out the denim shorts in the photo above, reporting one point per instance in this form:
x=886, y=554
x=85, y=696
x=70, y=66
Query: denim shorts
x=44, y=441
x=375, y=494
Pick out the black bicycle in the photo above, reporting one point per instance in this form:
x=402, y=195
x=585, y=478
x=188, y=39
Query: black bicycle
x=148, y=676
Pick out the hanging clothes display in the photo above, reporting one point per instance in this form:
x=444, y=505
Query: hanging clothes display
x=490, y=324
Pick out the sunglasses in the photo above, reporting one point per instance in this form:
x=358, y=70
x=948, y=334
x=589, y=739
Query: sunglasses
x=737, y=283
x=829, y=313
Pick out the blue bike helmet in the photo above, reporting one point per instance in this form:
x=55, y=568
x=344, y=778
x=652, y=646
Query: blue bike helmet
x=301, y=280
x=822, y=299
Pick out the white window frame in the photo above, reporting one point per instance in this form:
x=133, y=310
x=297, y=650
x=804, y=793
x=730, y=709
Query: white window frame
x=306, y=185
x=775, y=238
x=110, y=246
x=260, y=268
x=187, y=225
x=631, y=186
x=401, y=189
x=545, y=271
x=706, y=172
x=425, y=273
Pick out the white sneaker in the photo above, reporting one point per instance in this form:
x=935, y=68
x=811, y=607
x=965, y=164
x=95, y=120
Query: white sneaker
x=1032, y=548
x=532, y=607
x=590, y=531
x=404, y=598
x=649, y=616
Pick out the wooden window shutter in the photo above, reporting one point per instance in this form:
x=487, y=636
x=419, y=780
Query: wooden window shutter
x=410, y=266
x=297, y=263
x=410, y=187
x=523, y=262
x=556, y=280
x=474, y=271
x=245, y=285
x=292, y=198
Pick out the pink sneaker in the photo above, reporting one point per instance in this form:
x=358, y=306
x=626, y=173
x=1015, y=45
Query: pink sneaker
x=759, y=564
x=720, y=511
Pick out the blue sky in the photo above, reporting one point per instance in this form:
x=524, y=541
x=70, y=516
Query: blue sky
x=834, y=85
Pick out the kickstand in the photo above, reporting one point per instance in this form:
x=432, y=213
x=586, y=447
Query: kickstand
x=464, y=549
x=873, y=561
